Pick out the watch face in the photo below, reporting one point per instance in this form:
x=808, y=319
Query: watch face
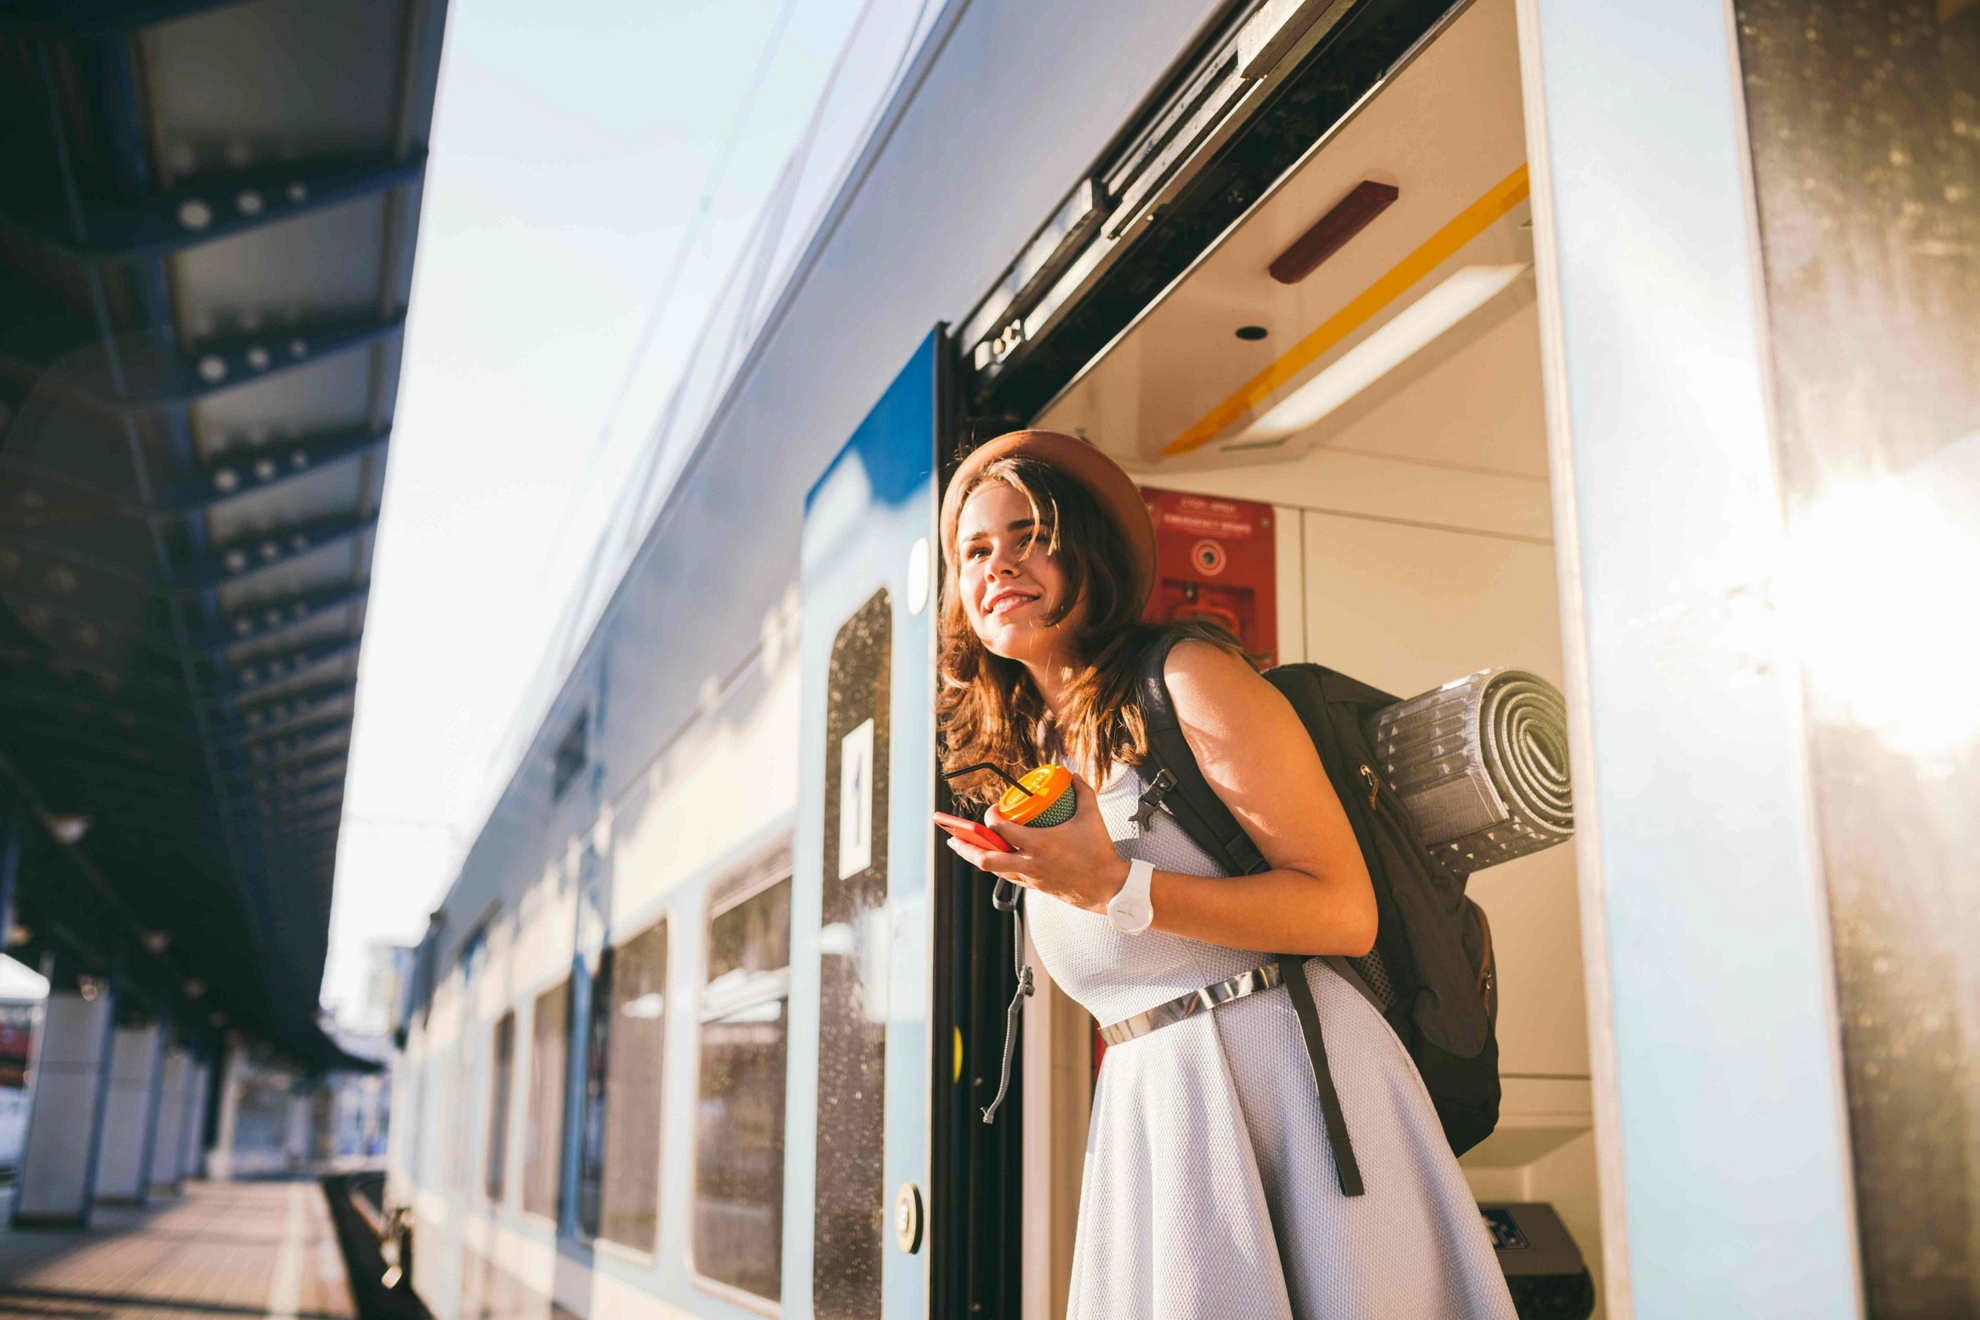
x=1131, y=914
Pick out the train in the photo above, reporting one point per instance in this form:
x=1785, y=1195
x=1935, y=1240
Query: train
x=704, y=1024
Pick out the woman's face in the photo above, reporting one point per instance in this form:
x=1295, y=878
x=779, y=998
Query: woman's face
x=1011, y=584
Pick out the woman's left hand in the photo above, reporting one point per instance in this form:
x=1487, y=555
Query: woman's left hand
x=1073, y=861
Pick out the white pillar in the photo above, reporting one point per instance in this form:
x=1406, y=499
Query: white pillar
x=296, y=1143
x=190, y=1148
x=65, y=1121
x=220, y=1160
x=133, y=1120
x=165, y=1167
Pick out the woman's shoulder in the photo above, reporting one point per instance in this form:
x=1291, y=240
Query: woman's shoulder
x=1204, y=677
x=1202, y=660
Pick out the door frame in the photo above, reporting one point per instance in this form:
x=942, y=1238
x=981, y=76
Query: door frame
x=1653, y=342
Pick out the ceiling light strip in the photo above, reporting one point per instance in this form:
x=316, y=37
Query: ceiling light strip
x=1435, y=251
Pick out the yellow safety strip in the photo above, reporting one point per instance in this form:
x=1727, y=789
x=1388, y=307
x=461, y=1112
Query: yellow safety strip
x=1436, y=250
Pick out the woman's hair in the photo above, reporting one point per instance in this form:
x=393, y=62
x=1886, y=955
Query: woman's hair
x=989, y=708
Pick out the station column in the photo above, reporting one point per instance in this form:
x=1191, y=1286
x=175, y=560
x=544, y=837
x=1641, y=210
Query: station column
x=71, y=1075
x=198, y=1085
x=132, y=1112
x=166, y=1167
x=220, y=1165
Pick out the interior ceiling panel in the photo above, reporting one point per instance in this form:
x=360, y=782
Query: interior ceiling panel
x=206, y=220
x=1190, y=381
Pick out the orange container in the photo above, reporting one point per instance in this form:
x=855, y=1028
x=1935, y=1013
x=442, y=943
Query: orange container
x=1051, y=800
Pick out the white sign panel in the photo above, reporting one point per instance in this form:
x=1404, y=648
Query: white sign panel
x=856, y=800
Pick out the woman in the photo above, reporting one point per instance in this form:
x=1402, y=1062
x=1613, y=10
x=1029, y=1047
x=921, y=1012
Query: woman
x=1209, y=1188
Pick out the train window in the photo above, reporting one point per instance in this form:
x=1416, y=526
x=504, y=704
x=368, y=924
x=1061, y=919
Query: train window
x=570, y=757
x=637, y=1020
x=849, y=1205
x=498, y=1105
x=543, y=1138
x=739, y=1137
x=474, y=954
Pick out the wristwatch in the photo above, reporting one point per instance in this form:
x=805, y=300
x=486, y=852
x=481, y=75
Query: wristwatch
x=1130, y=910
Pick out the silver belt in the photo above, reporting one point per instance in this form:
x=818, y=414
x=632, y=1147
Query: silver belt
x=1196, y=1001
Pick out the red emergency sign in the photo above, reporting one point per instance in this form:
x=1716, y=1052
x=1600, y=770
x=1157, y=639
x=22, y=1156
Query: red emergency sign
x=1216, y=559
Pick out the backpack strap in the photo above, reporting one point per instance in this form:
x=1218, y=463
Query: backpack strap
x=1292, y=972
x=1178, y=784
x=1188, y=796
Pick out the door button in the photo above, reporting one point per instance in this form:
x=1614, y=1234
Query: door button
x=907, y=1218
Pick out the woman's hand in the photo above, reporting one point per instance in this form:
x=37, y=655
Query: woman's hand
x=1073, y=861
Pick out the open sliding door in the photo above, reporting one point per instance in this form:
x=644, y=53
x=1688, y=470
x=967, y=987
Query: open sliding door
x=863, y=902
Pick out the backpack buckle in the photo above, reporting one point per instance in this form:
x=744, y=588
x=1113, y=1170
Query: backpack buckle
x=1150, y=799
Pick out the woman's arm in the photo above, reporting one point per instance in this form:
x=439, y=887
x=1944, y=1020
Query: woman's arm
x=1257, y=757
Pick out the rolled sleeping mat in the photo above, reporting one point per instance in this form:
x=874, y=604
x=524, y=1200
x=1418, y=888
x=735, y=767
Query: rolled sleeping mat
x=1481, y=765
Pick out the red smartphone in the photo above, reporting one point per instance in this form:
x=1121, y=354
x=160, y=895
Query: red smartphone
x=971, y=832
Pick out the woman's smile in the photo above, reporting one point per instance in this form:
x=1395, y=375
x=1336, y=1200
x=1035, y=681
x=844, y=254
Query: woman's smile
x=1007, y=600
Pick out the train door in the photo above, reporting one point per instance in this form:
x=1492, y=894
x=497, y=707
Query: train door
x=858, y=1182
x=1336, y=413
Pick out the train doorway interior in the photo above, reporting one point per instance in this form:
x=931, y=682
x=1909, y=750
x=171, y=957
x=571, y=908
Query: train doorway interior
x=1339, y=406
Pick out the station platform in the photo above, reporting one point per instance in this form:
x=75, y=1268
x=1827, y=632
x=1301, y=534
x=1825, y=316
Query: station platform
x=218, y=1250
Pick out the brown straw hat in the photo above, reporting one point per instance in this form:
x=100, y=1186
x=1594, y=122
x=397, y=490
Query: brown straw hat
x=1103, y=478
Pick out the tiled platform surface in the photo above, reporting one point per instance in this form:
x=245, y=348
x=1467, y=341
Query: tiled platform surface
x=221, y=1250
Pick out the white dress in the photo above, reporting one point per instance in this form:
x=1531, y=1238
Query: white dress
x=1209, y=1188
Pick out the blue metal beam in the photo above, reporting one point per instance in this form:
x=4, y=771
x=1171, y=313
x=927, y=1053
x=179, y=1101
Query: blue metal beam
x=259, y=623
x=305, y=772
x=292, y=750
x=311, y=729
x=250, y=554
x=261, y=671
x=243, y=473
x=94, y=18
x=247, y=782
x=216, y=206
x=269, y=618
x=289, y=813
x=277, y=793
x=311, y=843
x=43, y=337
x=258, y=717
x=293, y=813
x=288, y=715
x=68, y=702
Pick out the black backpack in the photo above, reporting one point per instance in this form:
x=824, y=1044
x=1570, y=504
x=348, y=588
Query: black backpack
x=1431, y=973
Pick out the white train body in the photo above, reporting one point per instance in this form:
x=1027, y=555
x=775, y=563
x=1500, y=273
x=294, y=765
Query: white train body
x=677, y=838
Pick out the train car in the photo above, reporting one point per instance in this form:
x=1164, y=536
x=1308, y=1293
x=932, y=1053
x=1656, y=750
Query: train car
x=704, y=1024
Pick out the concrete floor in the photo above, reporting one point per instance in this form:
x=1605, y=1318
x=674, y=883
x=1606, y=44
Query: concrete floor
x=222, y=1249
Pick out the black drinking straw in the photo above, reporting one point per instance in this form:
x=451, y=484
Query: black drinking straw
x=981, y=766
x=1004, y=897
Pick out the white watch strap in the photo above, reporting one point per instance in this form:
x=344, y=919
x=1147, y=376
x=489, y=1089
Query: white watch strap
x=1141, y=876
x=1131, y=910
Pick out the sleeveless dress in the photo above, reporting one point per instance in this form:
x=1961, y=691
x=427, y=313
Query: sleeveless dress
x=1209, y=1189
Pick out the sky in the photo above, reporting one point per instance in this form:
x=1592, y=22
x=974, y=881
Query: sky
x=595, y=172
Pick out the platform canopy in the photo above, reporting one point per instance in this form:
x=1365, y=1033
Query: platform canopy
x=207, y=220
